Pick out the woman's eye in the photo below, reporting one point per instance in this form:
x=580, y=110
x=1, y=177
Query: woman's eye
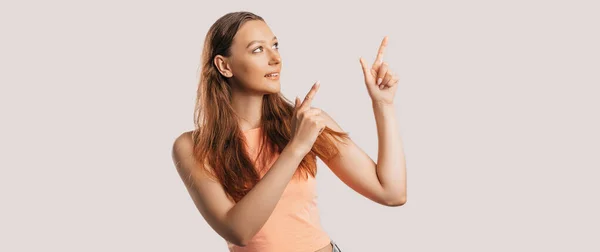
x=260, y=47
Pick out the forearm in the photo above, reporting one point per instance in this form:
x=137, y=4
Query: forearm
x=249, y=214
x=391, y=164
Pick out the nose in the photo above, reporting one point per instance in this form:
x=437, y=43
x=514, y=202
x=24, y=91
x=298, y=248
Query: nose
x=275, y=58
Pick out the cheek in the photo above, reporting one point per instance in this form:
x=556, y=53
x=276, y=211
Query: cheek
x=251, y=74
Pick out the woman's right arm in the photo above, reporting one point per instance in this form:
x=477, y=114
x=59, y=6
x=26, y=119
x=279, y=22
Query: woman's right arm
x=237, y=223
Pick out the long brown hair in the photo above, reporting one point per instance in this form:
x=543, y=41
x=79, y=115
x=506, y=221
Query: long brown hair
x=218, y=140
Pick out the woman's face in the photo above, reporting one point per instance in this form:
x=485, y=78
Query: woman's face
x=254, y=56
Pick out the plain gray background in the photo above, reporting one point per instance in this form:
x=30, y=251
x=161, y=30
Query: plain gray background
x=497, y=107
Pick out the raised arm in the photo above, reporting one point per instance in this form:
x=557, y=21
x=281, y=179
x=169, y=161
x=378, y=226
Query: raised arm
x=385, y=181
x=238, y=223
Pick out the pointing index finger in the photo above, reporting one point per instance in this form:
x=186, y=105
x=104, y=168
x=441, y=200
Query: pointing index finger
x=379, y=58
x=309, y=97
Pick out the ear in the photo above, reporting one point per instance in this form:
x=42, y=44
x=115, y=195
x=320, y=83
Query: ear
x=223, y=66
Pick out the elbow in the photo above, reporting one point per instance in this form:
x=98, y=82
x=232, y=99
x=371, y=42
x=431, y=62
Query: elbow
x=396, y=201
x=238, y=241
x=241, y=244
x=236, y=238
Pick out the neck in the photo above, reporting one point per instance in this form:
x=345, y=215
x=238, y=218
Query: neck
x=248, y=107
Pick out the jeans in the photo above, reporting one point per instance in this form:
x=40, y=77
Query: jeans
x=335, y=247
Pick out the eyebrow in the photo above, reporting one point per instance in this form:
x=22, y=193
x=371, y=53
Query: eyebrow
x=257, y=41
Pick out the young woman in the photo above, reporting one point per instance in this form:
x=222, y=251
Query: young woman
x=250, y=164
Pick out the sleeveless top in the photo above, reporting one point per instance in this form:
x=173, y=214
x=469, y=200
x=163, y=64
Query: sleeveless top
x=294, y=224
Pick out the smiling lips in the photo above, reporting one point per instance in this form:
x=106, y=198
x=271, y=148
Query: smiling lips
x=273, y=75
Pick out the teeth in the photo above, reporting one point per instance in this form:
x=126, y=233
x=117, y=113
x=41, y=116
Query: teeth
x=272, y=75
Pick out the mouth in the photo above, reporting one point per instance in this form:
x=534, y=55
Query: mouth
x=272, y=76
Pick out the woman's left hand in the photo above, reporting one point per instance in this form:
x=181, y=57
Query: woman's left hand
x=380, y=80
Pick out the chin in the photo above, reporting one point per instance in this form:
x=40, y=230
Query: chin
x=273, y=88
x=273, y=91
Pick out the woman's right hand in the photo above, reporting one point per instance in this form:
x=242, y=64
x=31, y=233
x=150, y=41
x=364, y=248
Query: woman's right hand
x=307, y=123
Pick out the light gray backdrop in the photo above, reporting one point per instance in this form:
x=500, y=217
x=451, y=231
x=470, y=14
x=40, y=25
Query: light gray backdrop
x=497, y=105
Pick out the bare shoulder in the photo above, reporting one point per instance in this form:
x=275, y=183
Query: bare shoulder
x=183, y=147
x=184, y=140
x=185, y=137
x=183, y=156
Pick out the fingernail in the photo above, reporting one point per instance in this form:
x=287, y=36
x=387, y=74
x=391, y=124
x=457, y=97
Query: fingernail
x=379, y=81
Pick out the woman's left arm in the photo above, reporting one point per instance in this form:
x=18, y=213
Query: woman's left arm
x=384, y=182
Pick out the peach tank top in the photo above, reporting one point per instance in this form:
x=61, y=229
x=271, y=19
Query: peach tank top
x=294, y=224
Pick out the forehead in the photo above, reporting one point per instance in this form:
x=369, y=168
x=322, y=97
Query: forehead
x=252, y=30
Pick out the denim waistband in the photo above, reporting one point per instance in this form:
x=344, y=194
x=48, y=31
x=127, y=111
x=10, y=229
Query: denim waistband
x=335, y=247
